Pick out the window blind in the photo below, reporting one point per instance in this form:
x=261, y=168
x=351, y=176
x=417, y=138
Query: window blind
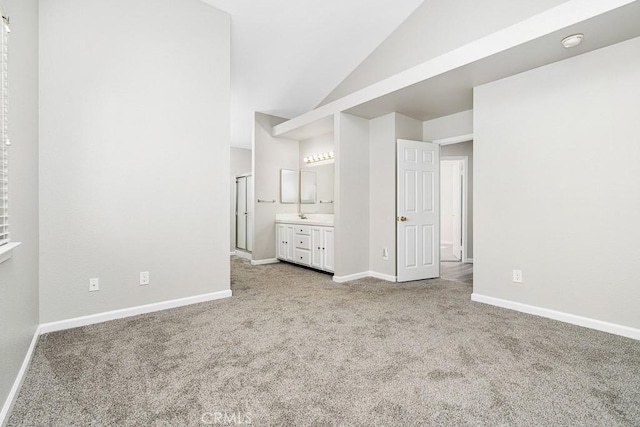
x=4, y=137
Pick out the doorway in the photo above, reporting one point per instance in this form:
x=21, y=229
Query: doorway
x=453, y=208
x=456, y=192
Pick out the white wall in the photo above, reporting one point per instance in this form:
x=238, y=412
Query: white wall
x=269, y=156
x=134, y=152
x=19, y=275
x=325, y=172
x=437, y=27
x=558, y=186
x=384, y=132
x=240, y=163
x=457, y=124
x=382, y=194
x=352, y=195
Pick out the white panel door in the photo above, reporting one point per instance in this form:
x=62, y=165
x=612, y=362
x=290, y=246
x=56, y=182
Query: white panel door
x=418, y=210
x=328, y=250
x=457, y=209
x=316, y=247
x=241, y=213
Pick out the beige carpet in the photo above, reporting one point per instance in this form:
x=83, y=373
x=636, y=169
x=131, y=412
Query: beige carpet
x=293, y=348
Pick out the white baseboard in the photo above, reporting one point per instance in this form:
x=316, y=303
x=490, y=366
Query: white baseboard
x=586, y=322
x=243, y=254
x=469, y=260
x=387, y=277
x=265, y=261
x=350, y=277
x=17, y=384
x=131, y=311
x=356, y=276
x=232, y=253
x=445, y=242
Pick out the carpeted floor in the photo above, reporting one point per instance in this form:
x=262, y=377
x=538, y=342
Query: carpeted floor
x=293, y=348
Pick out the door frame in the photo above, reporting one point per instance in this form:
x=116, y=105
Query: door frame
x=243, y=253
x=465, y=202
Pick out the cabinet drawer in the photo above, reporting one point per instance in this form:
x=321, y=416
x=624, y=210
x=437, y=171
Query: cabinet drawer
x=303, y=229
x=303, y=242
x=303, y=257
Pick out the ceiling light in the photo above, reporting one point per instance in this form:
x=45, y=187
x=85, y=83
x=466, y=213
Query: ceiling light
x=572, y=41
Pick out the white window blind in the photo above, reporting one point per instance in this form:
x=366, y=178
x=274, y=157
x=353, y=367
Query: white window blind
x=4, y=137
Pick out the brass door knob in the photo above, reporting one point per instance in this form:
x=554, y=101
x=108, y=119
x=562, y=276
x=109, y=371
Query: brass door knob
x=402, y=218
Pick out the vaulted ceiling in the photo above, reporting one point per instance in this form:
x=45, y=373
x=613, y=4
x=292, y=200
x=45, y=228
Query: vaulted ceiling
x=288, y=55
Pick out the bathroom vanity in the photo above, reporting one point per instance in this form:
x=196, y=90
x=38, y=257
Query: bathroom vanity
x=308, y=242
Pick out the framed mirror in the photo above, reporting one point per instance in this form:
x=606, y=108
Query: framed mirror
x=307, y=187
x=289, y=188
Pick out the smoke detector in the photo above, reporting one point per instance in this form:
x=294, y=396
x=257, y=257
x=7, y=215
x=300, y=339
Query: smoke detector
x=572, y=41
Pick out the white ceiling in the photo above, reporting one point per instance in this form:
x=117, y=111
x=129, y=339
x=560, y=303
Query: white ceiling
x=444, y=85
x=288, y=55
x=452, y=92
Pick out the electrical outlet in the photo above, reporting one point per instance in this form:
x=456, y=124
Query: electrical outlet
x=517, y=276
x=385, y=253
x=94, y=285
x=144, y=278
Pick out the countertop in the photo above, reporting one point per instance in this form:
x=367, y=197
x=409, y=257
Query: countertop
x=325, y=220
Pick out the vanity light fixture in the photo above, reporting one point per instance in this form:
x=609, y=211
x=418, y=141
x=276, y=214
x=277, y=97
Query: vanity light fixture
x=320, y=157
x=572, y=41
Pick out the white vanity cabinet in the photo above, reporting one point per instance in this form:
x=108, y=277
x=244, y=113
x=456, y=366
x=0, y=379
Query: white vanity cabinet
x=286, y=243
x=308, y=245
x=322, y=248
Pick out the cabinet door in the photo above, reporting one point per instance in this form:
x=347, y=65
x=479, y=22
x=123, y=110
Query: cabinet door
x=316, y=247
x=281, y=244
x=291, y=243
x=328, y=253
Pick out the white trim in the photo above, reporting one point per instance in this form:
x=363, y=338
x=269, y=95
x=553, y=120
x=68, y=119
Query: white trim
x=232, y=253
x=469, y=260
x=131, y=311
x=387, y=277
x=586, y=322
x=17, y=384
x=454, y=139
x=446, y=242
x=6, y=251
x=265, y=261
x=350, y=277
x=242, y=254
x=364, y=275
